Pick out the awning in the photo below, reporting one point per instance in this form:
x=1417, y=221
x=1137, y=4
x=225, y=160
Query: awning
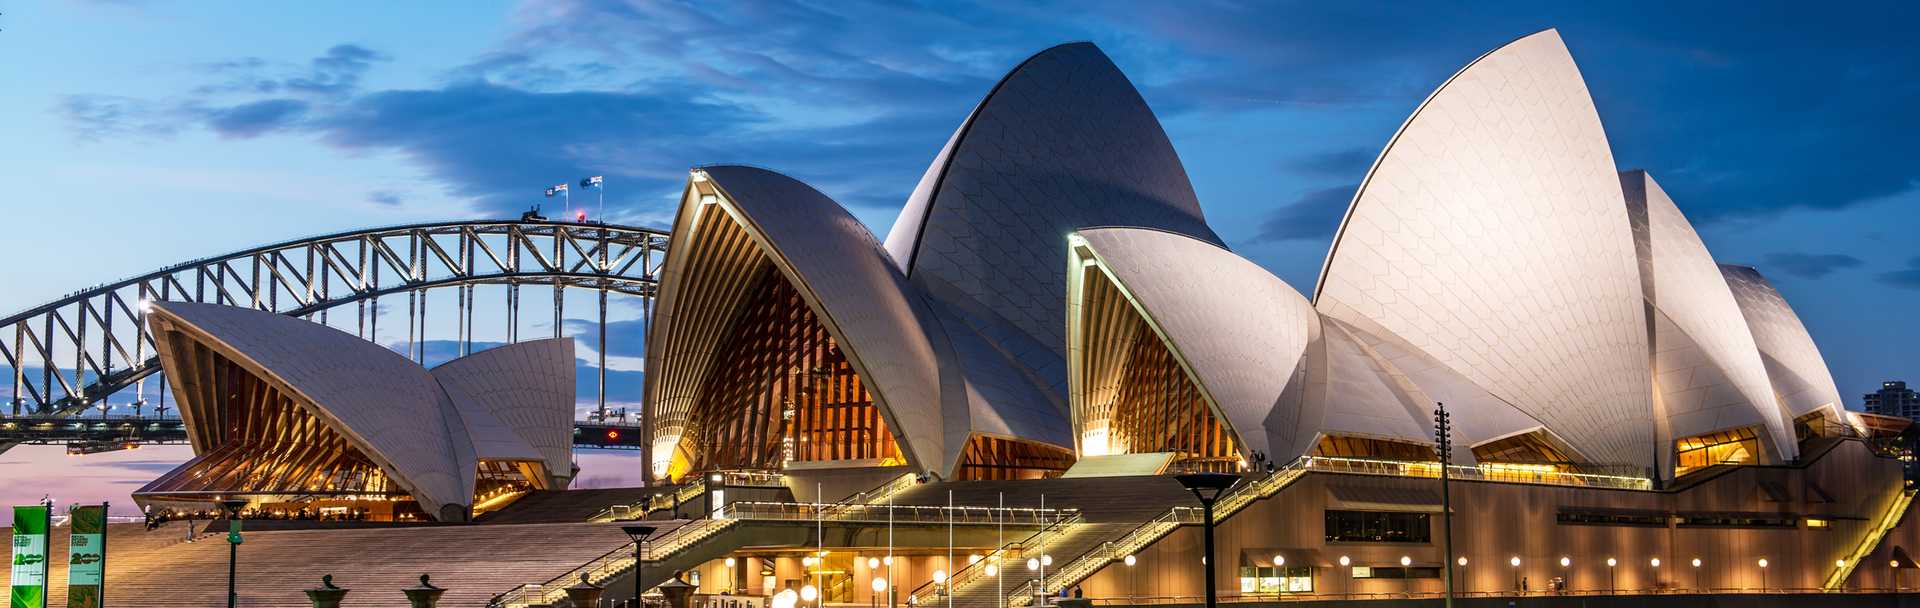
x=1353, y=497
x=1294, y=556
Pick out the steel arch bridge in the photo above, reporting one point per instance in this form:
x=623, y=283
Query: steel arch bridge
x=74, y=352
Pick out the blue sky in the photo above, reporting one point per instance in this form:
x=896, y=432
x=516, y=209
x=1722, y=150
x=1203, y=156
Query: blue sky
x=142, y=133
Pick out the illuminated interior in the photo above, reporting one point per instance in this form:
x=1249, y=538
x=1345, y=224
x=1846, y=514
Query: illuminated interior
x=1135, y=397
x=1342, y=446
x=1735, y=446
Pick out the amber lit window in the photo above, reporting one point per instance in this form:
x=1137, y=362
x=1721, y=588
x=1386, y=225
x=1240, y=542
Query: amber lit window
x=1377, y=449
x=1737, y=446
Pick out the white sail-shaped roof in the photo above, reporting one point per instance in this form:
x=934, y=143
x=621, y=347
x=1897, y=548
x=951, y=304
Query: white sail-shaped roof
x=1799, y=374
x=1240, y=349
x=840, y=270
x=389, y=408
x=529, y=388
x=1490, y=236
x=1063, y=142
x=1707, y=370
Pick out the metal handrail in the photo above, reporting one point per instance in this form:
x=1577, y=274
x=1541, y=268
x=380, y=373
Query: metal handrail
x=1314, y=596
x=618, y=560
x=1011, y=552
x=656, y=502
x=1482, y=472
x=1134, y=540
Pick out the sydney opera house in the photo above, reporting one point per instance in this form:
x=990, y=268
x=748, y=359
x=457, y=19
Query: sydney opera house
x=1053, y=304
x=1052, y=321
x=1052, y=293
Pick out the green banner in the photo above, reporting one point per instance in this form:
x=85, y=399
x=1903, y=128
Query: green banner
x=87, y=556
x=30, y=556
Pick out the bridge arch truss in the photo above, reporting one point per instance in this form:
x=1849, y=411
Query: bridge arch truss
x=72, y=353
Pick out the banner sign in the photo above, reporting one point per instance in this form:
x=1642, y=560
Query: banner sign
x=30, y=556
x=87, y=556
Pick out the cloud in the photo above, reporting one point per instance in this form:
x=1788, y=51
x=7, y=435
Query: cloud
x=1908, y=278
x=385, y=198
x=336, y=72
x=1811, y=265
x=1315, y=215
x=1348, y=163
x=254, y=119
x=94, y=118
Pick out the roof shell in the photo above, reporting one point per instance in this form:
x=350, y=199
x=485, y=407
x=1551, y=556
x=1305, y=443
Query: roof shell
x=391, y=409
x=1239, y=348
x=528, y=387
x=1063, y=142
x=845, y=275
x=1708, y=369
x=1799, y=374
x=1490, y=235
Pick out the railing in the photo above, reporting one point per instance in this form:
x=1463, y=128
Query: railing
x=620, y=559
x=1010, y=553
x=1483, y=472
x=656, y=502
x=1871, y=539
x=1310, y=596
x=1235, y=499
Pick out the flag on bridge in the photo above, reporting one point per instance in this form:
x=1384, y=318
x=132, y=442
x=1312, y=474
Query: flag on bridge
x=556, y=190
x=592, y=181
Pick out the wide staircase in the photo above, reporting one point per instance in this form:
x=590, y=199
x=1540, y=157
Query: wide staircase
x=1870, y=540
x=158, y=569
x=700, y=540
x=1120, y=543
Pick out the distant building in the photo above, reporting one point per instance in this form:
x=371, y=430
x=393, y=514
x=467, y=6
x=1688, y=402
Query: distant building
x=1894, y=399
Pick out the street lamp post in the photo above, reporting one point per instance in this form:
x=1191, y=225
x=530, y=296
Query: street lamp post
x=639, y=535
x=1696, y=574
x=1443, y=439
x=1208, y=487
x=1566, y=574
x=1515, y=562
x=232, y=507
x=1893, y=569
x=1656, y=573
x=1462, y=562
x=1406, y=576
x=1612, y=585
x=1763, y=575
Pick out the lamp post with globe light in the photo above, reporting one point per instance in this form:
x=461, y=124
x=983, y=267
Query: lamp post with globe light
x=1612, y=585
x=1696, y=574
x=1655, y=562
x=639, y=535
x=1208, y=487
x=1515, y=562
x=1566, y=574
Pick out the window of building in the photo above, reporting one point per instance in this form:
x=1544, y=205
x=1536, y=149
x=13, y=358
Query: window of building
x=1737, y=446
x=1613, y=518
x=1378, y=527
x=1395, y=572
x=1290, y=579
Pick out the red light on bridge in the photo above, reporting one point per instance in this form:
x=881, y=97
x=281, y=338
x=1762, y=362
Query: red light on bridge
x=580, y=216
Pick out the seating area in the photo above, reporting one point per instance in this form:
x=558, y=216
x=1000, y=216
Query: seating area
x=162, y=570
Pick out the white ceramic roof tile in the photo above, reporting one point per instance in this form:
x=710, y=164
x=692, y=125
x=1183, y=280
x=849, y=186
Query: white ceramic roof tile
x=1063, y=142
x=1707, y=366
x=528, y=387
x=1541, y=306
x=389, y=407
x=1799, y=374
x=1236, y=348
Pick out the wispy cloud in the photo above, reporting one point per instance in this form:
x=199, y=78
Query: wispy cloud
x=1313, y=216
x=1907, y=278
x=1811, y=265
